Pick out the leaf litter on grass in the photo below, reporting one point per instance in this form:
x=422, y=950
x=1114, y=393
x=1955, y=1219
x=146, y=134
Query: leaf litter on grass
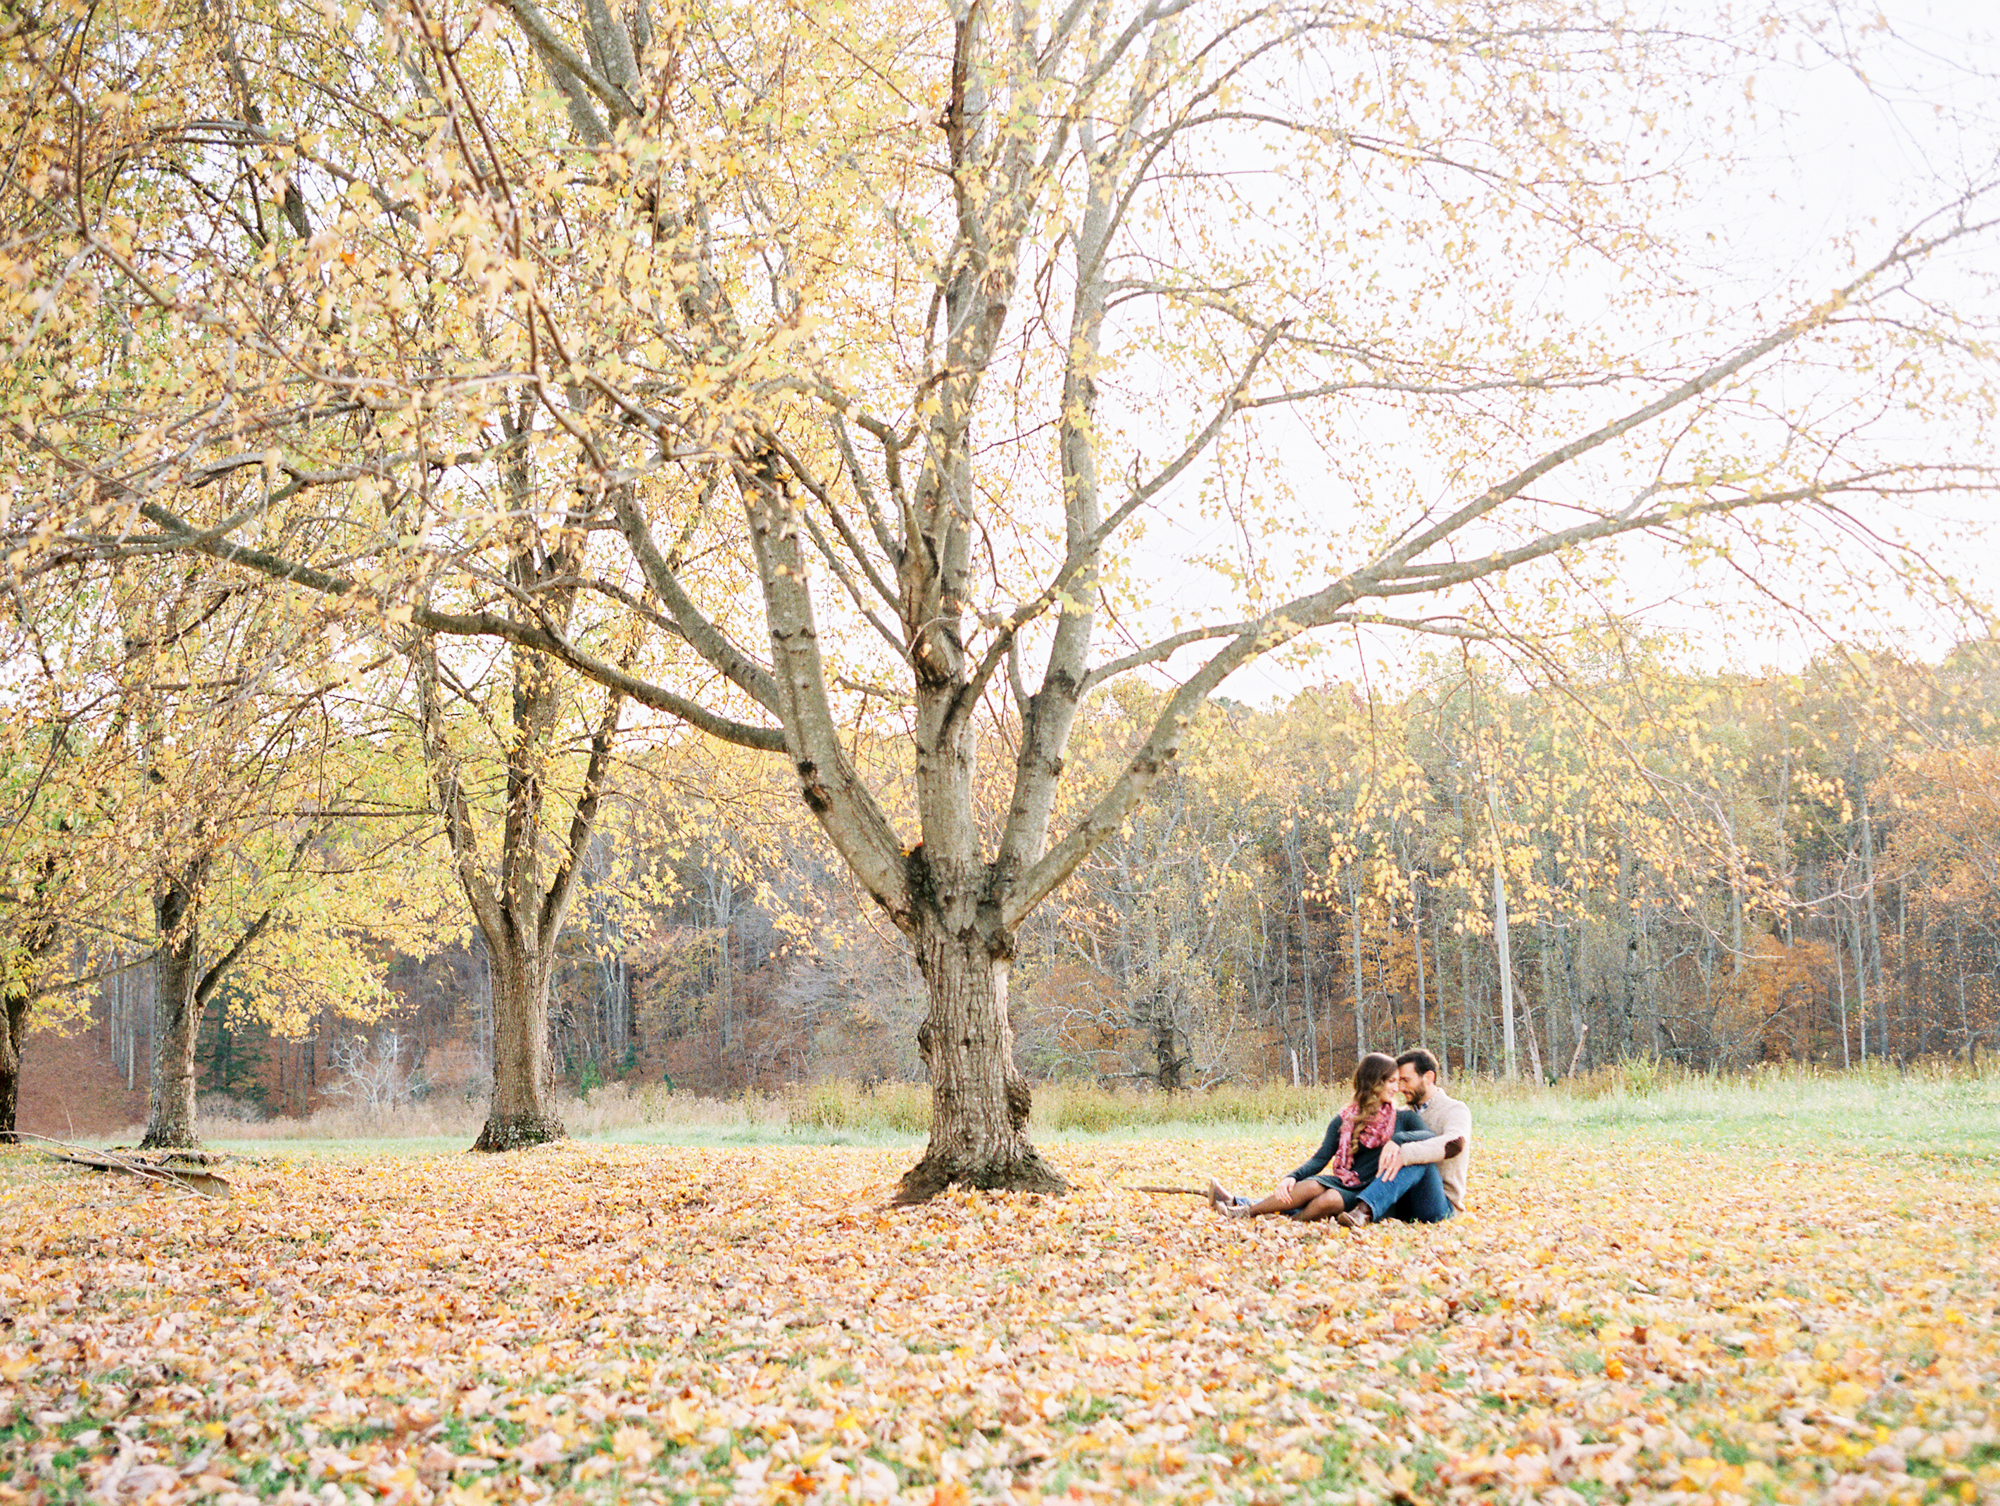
x=614, y=1323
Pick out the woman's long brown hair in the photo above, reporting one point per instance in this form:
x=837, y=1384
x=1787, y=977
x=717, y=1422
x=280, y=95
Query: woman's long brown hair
x=1371, y=1084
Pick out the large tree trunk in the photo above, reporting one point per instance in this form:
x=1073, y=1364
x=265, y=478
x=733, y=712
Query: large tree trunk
x=520, y=1113
x=176, y=1021
x=979, y=1099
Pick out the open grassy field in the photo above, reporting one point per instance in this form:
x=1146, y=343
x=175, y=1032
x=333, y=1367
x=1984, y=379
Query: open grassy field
x=1765, y=1290
x=1934, y=1104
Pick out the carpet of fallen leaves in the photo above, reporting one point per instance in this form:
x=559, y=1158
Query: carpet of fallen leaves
x=614, y=1323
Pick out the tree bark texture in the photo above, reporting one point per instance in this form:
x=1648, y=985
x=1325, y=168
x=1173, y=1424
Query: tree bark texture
x=13, y=1026
x=979, y=1099
x=520, y=1113
x=170, y=1121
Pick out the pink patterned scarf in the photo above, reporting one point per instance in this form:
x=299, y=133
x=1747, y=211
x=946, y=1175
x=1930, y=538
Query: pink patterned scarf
x=1374, y=1134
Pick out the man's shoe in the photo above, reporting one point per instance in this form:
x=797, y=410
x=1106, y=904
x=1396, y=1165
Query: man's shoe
x=1357, y=1217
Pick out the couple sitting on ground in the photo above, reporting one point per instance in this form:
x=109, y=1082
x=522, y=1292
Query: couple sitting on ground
x=1378, y=1161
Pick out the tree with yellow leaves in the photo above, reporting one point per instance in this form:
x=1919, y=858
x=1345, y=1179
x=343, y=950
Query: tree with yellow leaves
x=241, y=816
x=859, y=346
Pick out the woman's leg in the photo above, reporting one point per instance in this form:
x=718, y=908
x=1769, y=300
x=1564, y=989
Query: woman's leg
x=1298, y=1195
x=1331, y=1201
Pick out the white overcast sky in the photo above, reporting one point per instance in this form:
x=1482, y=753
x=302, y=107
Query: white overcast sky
x=1829, y=151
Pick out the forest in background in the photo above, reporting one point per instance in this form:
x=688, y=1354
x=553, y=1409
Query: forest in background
x=1701, y=871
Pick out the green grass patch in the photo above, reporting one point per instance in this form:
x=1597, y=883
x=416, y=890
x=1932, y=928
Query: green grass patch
x=1939, y=1110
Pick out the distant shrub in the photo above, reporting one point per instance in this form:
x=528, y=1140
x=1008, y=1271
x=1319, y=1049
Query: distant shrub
x=827, y=1106
x=1093, y=1112
x=906, y=1106
x=845, y=1107
x=1599, y=1082
x=1262, y=1103
x=221, y=1108
x=376, y=1077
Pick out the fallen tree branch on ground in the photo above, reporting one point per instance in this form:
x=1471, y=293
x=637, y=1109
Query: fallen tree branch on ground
x=192, y=1176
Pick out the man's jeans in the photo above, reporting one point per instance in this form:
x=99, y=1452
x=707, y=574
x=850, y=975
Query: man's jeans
x=1415, y=1194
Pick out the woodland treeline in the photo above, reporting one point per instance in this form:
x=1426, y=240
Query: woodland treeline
x=1711, y=871
x=1704, y=870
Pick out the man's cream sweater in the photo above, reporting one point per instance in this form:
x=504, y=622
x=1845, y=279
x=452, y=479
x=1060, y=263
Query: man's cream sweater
x=1449, y=1119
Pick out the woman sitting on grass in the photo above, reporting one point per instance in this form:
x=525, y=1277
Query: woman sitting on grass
x=1331, y=1182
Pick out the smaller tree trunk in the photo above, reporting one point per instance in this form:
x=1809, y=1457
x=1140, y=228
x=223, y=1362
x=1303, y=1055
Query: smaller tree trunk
x=1468, y=1049
x=1541, y=1077
x=181, y=990
x=14, y=1027
x=520, y=1113
x=1169, y=1064
x=1360, y=990
x=1861, y=984
x=39, y=941
x=979, y=1099
x=1502, y=940
x=1417, y=947
x=1873, y=957
x=1505, y=960
x=1840, y=973
x=1628, y=959
x=176, y=1024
